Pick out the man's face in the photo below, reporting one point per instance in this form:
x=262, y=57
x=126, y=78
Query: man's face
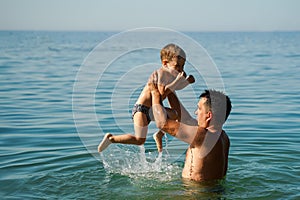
x=202, y=113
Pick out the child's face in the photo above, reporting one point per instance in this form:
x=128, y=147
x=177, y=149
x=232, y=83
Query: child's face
x=177, y=63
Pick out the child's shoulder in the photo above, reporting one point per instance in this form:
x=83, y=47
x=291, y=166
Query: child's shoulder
x=163, y=70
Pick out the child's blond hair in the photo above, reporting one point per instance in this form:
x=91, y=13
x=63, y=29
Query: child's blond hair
x=170, y=51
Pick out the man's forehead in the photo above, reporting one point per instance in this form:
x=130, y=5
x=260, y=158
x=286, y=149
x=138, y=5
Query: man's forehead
x=202, y=100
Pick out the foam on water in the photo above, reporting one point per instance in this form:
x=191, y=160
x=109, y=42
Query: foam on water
x=135, y=162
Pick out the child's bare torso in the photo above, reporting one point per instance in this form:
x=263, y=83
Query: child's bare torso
x=165, y=76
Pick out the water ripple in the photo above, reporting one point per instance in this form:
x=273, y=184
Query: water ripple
x=41, y=151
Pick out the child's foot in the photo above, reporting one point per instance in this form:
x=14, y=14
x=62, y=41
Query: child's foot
x=158, y=140
x=105, y=142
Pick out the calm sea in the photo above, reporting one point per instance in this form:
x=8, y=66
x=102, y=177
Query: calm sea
x=48, y=142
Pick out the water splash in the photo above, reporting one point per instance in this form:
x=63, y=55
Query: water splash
x=135, y=162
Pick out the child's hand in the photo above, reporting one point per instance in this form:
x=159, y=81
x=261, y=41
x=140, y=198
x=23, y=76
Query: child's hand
x=181, y=81
x=180, y=77
x=190, y=79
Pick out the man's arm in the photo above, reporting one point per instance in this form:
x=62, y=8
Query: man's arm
x=175, y=104
x=160, y=114
x=175, y=128
x=183, y=115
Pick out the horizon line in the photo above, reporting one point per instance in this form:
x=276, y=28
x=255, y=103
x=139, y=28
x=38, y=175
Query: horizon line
x=119, y=30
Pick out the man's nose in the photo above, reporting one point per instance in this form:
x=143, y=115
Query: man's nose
x=196, y=112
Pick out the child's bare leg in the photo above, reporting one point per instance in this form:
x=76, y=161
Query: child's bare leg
x=158, y=140
x=140, y=128
x=170, y=114
x=122, y=139
x=127, y=139
x=140, y=131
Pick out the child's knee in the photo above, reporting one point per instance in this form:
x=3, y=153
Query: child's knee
x=140, y=141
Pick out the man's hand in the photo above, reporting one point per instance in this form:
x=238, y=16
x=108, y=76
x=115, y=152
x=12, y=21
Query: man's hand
x=152, y=82
x=153, y=87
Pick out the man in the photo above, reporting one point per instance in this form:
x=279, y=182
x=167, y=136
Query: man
x=207, y=155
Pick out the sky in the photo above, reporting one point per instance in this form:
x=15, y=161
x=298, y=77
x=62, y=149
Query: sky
x=120, y=15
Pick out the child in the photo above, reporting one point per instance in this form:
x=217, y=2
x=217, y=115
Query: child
x=170, y=77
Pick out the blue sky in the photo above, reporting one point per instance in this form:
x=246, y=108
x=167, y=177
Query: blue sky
x=119, y=15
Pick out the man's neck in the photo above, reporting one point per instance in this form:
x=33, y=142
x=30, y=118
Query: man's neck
x=214, y=128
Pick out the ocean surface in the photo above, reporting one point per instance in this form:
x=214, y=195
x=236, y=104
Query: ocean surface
x=60, y=92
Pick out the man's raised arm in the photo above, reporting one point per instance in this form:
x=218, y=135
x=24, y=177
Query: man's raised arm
x=179, y=130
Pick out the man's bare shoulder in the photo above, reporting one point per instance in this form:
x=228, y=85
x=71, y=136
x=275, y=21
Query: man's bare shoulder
x=201, y=130
x=199, y=137
x=225, y=136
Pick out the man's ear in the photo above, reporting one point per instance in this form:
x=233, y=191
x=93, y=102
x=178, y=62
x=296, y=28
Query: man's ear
x=209, y=116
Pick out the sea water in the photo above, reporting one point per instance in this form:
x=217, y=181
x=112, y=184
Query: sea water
x=45, y=153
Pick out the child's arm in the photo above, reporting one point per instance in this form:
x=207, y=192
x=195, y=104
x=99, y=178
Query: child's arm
x=180, y=82
x=188, y=80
